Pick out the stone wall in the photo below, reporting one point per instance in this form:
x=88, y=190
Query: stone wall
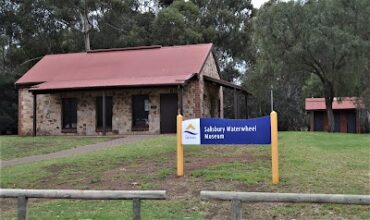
x=25, y=112
x=190, y=99
x=48, y=114
x=211, y=95
x=49, y=111
x=199, y=98
x=210, y=67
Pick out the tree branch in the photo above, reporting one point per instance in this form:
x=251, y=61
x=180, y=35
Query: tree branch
x=114, y=27
x=32, y=59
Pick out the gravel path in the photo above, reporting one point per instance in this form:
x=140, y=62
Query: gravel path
x=75, y=151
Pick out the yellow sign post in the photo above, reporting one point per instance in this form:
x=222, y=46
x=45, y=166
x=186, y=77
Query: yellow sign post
x=274, y=148
x=180, y=147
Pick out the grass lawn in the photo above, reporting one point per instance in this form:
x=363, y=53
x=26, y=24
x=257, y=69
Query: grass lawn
x=309, y=163
x=14, y=146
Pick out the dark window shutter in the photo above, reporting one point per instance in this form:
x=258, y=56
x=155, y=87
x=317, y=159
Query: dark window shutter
x=69, y=113
x=108, y=112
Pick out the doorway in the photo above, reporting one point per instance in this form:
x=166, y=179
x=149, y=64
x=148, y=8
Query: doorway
x=168, y=113
x=319, y=121
x=140, y=113
x=351, y=122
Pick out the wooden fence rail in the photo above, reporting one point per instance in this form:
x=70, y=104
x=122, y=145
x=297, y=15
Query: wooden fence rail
x=22, y=196
x=237, y=197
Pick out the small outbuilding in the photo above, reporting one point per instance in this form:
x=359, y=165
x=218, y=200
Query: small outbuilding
x=346, y=111
x=120, y=91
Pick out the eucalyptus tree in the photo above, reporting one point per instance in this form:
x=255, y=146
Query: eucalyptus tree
x=80, y=15
x=326, y=39
x=124, y=24
x=177, y=24
x=228, y=25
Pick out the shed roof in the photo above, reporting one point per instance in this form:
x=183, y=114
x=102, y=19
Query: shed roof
x=338, y=103
x=141, y=66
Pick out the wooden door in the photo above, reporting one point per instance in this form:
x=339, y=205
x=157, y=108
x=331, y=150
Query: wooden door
x=168, y=113
x=351, y=122
x=336, y=121
x=319, y=121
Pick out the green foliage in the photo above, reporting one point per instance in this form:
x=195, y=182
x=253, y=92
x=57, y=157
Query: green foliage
x=228, y=25
x=8, y=103
x=177, y=24
x=288, y=98
x=123, y=25
x=328, y=39
x=312, y=87
x=320, y=46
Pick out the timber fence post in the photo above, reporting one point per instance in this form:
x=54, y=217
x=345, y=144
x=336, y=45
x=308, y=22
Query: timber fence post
x=22, y=207
x=136, y=209
x=236, y=211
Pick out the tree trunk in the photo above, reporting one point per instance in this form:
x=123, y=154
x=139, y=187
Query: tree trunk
x=87, y=41
x=329, y=97
x=329, y=113
x=86, y=27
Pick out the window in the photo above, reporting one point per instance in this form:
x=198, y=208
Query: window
x=69, y=113
x=140, y=112
x=108, y=112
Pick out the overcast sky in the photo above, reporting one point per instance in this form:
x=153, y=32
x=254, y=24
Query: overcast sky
x=258, y=3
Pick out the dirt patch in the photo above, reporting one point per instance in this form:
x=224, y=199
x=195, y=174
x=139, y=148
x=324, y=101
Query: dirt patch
x=56, y=179
x=55, y=168
x=197, y=163
x=7, y=204
x=160, y=173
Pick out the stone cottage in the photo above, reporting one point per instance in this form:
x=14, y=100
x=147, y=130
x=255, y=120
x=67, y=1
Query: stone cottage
x=120, y=91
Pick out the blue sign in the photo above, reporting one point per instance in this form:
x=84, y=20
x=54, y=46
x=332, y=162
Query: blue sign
x=227, y=131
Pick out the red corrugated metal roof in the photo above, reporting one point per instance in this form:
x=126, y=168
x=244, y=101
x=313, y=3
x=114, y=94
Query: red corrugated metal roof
x=119, y=67
x=342, y=103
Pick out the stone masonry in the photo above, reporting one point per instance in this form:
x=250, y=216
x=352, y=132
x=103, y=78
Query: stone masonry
x=212, y=95
x=200, y=99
